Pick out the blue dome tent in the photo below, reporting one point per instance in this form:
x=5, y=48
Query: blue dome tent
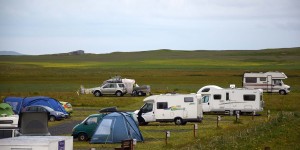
x=116, y=127
x=18, y=103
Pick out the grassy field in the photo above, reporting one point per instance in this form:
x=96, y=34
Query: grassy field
x=60, y=76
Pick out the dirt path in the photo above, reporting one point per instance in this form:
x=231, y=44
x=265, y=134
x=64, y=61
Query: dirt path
x=64, y=128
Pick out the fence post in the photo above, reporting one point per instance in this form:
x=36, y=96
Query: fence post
x=168, y=134
x=195, y=129
x=253, y=114
x=218, y=119
x=269, y=115
x=237, y=116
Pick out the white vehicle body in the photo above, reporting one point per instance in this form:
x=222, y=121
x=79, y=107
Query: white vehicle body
x=180, y=108
x=9, y=121
x=268, y=81
x=231, y=100
x=129, y=84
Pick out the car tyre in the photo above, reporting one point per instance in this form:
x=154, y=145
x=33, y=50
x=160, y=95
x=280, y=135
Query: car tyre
x=282, y=92
x=134, y=93
x=97, y=93
x=52, y=118
x=143, y=123
x=118, y=93
x=140, y=93
x=82, y=137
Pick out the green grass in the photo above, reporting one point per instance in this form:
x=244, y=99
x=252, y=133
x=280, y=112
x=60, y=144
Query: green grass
x=60, y=76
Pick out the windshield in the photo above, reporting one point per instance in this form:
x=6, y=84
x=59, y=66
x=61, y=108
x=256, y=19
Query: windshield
x=147, y=108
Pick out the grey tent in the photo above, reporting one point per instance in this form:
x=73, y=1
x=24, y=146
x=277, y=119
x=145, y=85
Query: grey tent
x=116, y=127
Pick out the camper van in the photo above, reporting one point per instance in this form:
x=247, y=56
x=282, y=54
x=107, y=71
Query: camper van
x=232, y=100
x=178, y=108
x=268, y=81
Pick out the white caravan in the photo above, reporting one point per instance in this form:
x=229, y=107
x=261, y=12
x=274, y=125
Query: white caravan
x=231, y=100
x=178, y=108
x=268, y=81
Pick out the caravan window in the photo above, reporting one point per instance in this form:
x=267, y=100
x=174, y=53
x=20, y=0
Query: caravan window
x=205, y=99
x=227, y=96
x=263, y=79
x=251, y=80
x=205, y=90
x=188, y=99
x=162, y=105
x=249, y=97
x=217, y=96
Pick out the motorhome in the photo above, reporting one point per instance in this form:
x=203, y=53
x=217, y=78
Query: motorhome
x=178, y=108
x=268, y=81
x=231, y=100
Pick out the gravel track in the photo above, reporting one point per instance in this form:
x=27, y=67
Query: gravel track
x=64, y=128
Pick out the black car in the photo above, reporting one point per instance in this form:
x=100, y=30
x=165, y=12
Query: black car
x=52, y=114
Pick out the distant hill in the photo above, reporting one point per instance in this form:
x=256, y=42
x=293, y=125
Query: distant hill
x=77, y=52
x=9, y=53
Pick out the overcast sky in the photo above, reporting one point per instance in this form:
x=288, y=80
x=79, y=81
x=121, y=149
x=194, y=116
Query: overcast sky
x=103, y=26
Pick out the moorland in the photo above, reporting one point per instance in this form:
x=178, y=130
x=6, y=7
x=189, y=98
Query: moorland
x=60, y=76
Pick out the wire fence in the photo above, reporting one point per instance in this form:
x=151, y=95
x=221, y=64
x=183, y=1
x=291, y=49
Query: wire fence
x=252, y=135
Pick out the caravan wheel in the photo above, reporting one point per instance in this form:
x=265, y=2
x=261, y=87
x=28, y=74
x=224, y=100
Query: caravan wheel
x=178, y=121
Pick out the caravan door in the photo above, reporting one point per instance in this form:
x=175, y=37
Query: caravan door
x=205, y=103
x=217, y=103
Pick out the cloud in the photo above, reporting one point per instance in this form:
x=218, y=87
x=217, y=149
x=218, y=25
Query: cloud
x=147, y=24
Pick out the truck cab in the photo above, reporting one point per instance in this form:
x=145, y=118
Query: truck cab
x=85, y=130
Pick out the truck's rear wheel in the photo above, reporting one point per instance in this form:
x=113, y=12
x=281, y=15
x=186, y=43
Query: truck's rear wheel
x=97, y=93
